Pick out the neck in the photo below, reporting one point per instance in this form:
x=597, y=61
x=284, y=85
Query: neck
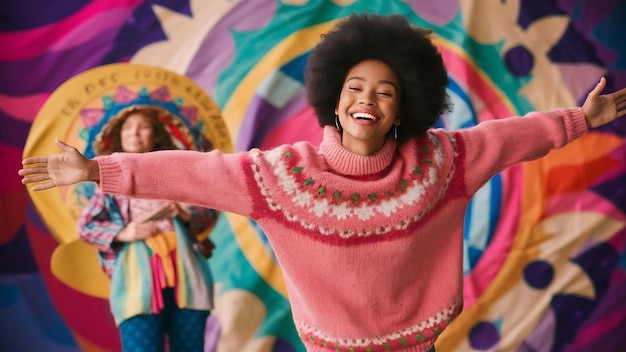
x=362, y=148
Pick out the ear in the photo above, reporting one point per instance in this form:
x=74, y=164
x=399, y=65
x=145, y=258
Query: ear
x=397, y=122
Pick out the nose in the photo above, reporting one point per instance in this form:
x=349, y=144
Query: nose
x=367, y=98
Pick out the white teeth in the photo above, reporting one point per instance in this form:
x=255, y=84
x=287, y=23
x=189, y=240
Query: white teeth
x=363, y=115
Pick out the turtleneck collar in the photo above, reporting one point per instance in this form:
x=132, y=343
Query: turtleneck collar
x=348, y=163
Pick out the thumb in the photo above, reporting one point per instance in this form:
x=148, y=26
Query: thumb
x=598, y=88
x=63, y=146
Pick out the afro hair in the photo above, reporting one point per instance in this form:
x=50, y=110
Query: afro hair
x=407, y=49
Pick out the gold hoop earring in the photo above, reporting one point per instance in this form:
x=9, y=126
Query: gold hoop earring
x=337, y=122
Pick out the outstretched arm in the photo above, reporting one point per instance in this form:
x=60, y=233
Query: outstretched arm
x=56, y=170
x=602, y=109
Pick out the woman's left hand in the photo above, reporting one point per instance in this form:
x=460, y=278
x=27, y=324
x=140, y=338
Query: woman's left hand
x=602, y=109
x=181, y=212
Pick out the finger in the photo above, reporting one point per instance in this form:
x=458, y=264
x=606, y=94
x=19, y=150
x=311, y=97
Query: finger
x=44, y=186
x=35, y=178
x=32, y=171
x=35, y=160
x=598, y=88
x=167, y=206
x=63, y=146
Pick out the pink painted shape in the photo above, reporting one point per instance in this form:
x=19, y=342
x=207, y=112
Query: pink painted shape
x=11, y=162
x=91, y=117
x=124, y=95
x=32, y=43
x=301, y=127
x=161, y=94
x=494, y=106
x=439, y=12
x=585, y=199
x=580, y=78
x=587, y=336
x=494, y=256
x=190, y=113
x=466, y=74
x=12, y=214
x=85, y=315
x=23, y=108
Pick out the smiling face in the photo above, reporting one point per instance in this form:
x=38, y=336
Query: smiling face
x=368, y=106
x=137, y=134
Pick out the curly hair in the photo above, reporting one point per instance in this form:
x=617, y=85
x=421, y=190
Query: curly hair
x=407, y=49
x=111, y=140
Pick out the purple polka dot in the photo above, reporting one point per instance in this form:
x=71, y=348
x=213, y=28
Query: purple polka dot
x=519, y=61
x=539, y=274
x=484, y=335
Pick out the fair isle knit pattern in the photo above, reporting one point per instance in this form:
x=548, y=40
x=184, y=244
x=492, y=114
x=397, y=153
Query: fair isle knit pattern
x=300, y=197
x=427, y=330
x=328, y=213
x=371, y=247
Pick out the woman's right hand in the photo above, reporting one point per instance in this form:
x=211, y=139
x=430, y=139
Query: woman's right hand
x=56, y=170
x=135, y=231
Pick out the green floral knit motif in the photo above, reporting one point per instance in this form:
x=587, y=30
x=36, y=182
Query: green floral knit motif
x=417, y=174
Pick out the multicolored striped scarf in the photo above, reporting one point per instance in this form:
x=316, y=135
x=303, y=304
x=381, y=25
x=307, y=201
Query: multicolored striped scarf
x=132, y=285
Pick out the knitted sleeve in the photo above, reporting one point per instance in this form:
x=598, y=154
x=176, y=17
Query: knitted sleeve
x=491, y=146
x=213, y=180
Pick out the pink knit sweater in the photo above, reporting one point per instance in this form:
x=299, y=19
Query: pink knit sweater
x=370, y=246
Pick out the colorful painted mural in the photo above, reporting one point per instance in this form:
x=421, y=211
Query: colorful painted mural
x=545, y=254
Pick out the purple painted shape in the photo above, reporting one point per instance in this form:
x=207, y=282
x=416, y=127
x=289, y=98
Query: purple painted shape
x=572, y=47
x=538, y=274
x=262, y=117
x=484, y=335
x=35, y=322
x=519, y=60
x=609, y=331
x=212, y=332
x=439, y=12
x=251, y=15
x=46, y=73
x=25, y=14
x=213, y=56
x=218, y=48
x=530, y=11
x=283, y=346
x=111, y=20
x=33, y=218
x=614, y=191
x=542, y=335
x=588, y=16
x=180, y=6
x=254, y=122
x=141, y=28
x=13, y=132
x=16, y=255
x=591, y=12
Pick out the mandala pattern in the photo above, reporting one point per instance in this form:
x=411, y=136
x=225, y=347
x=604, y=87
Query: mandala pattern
x=545, y=241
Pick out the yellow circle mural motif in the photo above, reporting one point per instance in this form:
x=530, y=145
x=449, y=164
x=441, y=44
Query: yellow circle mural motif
x=76, y=112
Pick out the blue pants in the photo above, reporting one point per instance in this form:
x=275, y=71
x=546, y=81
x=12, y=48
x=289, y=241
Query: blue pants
x=184, y=329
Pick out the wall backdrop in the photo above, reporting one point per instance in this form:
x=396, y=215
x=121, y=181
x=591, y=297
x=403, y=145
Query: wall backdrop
x=545, y=254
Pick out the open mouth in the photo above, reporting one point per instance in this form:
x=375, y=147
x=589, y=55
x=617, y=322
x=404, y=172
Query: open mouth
x=364, y=116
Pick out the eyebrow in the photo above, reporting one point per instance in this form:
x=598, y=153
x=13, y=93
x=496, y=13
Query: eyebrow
x=359, y=78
